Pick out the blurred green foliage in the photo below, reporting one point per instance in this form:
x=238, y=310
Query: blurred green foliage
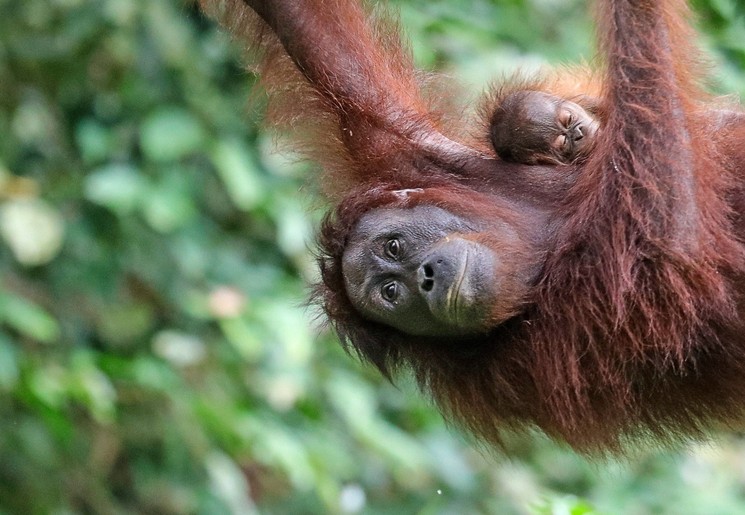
x=155, y=352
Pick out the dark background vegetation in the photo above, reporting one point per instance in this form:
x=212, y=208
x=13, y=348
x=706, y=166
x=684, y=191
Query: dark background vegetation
x=155, y=354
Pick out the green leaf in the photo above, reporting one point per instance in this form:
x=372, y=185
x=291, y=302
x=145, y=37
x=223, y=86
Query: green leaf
x=94, y=141
x=294, y=230
x=239, y=173
x=118, y=187
x=9, y=371
x=170, y=133
x=168, y=204
x=28, y=319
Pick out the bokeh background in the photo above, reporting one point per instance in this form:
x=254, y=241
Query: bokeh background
x=156, y=355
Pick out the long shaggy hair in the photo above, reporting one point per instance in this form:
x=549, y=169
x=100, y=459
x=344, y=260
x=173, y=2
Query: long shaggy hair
x=632, y=329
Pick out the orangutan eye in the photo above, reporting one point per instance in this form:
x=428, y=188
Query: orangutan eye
x=566, y=118
x=392, y=248
x=390, y=291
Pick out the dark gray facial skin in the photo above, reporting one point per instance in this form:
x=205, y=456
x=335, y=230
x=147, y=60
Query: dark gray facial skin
x=415, y=270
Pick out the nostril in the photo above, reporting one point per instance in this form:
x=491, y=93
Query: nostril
x=428, y=284
x=427, y=278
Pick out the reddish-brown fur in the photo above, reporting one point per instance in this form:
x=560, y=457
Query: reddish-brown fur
x=633, y=324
